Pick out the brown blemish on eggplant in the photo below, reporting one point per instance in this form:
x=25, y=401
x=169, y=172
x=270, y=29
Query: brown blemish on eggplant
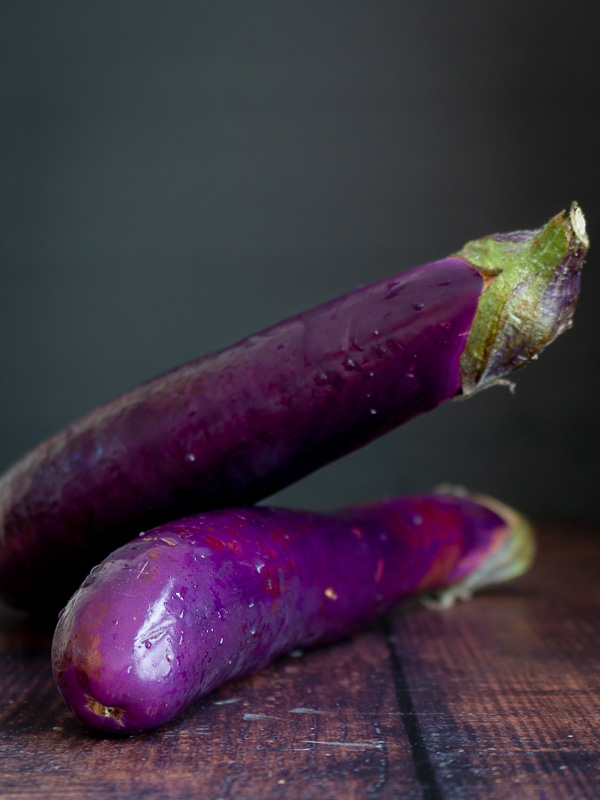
x=90, y=657
x=168, y=541
x=440, y=568
x=101, y=612
x=105, y=711
x=147, y=575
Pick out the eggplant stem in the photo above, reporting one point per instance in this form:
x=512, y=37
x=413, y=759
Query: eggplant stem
x=532, y=285
x=511, y=559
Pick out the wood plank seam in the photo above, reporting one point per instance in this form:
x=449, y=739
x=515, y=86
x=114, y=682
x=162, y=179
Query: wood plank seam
x=423, y=765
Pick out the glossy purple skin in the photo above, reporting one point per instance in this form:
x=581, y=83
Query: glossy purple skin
x=172, y=615
x=234, y=427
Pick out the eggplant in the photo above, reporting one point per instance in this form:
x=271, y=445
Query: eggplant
x=191, y=604
x=233, y=427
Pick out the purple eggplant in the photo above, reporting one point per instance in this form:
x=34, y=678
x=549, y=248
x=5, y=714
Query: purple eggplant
x=194, y=603
x=238, y=425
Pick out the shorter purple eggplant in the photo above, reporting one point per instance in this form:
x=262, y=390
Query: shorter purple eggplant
x=191, y=604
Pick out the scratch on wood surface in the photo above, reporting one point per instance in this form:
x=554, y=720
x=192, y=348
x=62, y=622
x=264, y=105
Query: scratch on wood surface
x=378, y=744
x=260, y=716
x=227, y=702
x=307, y=711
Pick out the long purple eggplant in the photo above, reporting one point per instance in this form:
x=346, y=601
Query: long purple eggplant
x=172, y=615
x=236, y=426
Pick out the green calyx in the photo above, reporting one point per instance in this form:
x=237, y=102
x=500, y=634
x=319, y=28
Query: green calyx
x=532, y=285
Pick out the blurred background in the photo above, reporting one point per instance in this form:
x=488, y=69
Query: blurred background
x=176, y=176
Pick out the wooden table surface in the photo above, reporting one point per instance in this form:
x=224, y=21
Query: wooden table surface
x=496, y=698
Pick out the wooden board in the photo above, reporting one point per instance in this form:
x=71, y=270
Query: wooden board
x=497, y=698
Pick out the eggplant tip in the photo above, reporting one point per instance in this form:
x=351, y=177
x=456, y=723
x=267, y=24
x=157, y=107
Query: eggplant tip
x=577, y=220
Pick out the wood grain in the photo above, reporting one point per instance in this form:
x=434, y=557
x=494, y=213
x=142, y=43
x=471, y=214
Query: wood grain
x=498, y=698
x=506, y=689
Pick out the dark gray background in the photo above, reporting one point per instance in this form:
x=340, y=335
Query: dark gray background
x=175, y=176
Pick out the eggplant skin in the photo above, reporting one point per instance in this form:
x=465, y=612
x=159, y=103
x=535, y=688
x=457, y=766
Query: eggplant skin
x=194, y=603
x=233, y=427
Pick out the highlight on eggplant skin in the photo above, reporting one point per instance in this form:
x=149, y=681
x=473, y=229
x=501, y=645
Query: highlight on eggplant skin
x=234, y=427
x=194, y=603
